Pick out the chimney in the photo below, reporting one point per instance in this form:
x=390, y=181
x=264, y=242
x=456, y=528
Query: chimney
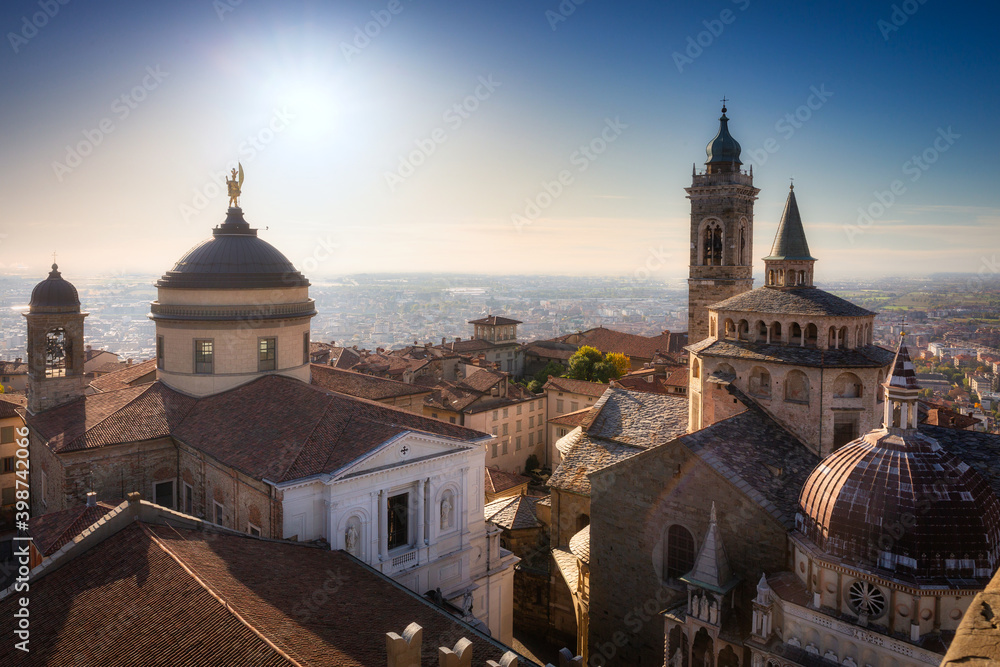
x=914, y=631
x=128, y=363
x=91, y=499
x=88, y=348
x=458, y=339
x=18, y=360
x=443, y=340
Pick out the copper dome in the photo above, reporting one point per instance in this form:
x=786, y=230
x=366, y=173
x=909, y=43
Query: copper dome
x=896, y=501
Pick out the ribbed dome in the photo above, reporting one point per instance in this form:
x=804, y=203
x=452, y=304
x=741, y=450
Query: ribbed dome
x=55, y=295
x=723, y=148
x=897, y=501
x=233, y=258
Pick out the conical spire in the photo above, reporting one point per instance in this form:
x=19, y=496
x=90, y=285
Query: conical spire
x=901, y=392
x=904, y=375
x=790, y=241
x=711, y=568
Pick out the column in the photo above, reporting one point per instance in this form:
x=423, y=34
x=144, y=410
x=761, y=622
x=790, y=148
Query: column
x=426, y=537
x=461, y=519
x=418, y=538
x=383, y=526
x=373, y=518
x=331, y=525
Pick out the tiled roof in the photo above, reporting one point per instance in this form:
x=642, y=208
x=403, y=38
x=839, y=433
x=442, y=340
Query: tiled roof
x=49, y=532
x=361, y=385
x=568, y=568
x=498, y=481
x=13, y=368
x=9, y=404
x=149, y=593
x=979, y=450
x=483, y=380
x=655, y=385
x=345, y=356
x=494, y=320
x=621, y=424
x=594, y=389
x=572, y=419
x=868, y=356
x=514, y=513
x=609, y=340
x=128, y=376
x=273, y=428
x=579, y=544
x=467, y=346
x=810, y=301
x=550, y=350
x=678, y=377
x=790, y=241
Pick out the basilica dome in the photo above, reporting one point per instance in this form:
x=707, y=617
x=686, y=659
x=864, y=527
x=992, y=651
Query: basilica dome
x=234, y=257
x=895, y=500
x=55, y=295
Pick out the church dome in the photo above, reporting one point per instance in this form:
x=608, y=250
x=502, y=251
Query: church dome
x=54, y=295
x=895, y=500
x=723, y=148
x=234, y=257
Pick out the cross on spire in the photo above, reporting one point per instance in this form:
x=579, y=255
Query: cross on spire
x=53, y=257
x=724, y=100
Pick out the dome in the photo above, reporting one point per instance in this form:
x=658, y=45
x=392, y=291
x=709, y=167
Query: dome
x=54, y=294
x=895, y=500
x=234, y=257
x=579, y=545
x=723, y=148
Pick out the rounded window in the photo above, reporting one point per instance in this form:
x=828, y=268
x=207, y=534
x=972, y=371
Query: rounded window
x=866, y=599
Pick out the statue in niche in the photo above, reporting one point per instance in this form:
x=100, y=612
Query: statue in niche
x=352, y=536
x=446, y=512
x=703, y=608
x=713, y=612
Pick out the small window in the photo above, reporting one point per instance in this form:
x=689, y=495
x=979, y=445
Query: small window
x=518, y=409
x=305, y=350
x=494, y=452
x=505, y=428
x=559, y=405
x=266, y=354
x=496, y=415
x=531, y=421
x=451, y=419
x=517, y=425
x=159, y=352
x=188, y=499
x=6, y=435
x=531, y=439
x=203, y=356
x=8, y=464
x=494, y=430
x=505, y=442
x=517, y=444
x=398, y=520
x=253, y=530
x=219, y=514
x=574, y=406
x=505, y=413
x=163, y=494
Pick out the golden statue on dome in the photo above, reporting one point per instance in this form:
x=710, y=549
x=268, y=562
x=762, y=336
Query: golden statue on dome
x=235, y=186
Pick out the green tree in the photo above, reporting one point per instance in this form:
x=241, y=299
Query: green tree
x=621, y=362
x=551, y=368
x=581, y=364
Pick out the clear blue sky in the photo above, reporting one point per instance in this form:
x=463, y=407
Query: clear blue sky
x=333, y=116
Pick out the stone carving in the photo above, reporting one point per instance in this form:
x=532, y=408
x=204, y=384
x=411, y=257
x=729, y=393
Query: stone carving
x=352, y=536
x=446, y=512
x=713, y=613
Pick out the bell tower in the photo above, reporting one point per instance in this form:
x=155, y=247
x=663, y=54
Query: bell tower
x=722, y=200
x=55, y=343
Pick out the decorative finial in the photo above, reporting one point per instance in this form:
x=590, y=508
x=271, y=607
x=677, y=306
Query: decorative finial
x=724, y=104
x=791, y=183
x=235, y=186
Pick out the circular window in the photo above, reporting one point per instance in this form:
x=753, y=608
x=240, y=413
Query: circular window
x=866, y=599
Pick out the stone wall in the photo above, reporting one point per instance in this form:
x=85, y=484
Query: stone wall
x=634, y=503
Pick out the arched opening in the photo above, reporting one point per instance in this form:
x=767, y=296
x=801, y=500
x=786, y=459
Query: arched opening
x=695, y=368
x=702, y=650
x=795, y=334
x=812, y=335
x=781, y=277
x=761, y=330
x=897, y=414
x=677, y=647
x=678, y=552
x=776, y=332
x=728, y=658
x=712, y=244
x=743, y=330
x=760, y=382
x=802, y=277
x=770, y=277
x=843, y=337
x=831, y=339
x=725, y=370
x=711, y=326
x=58, y=348
x=796, y=387
x=744, y=260
x=582, y=522
x=729, y=328
x=847, y=385
x=879, y=390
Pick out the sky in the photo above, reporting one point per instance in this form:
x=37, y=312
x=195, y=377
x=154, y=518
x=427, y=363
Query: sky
x=542, y=137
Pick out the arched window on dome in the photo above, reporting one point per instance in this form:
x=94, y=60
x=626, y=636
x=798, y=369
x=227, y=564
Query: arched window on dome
x=711, y=244
x=843, y=337
x=795, y=336
x=678, y=552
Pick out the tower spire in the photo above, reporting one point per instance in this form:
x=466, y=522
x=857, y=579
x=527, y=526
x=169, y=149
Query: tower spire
x=789, y=264
x=901, y=391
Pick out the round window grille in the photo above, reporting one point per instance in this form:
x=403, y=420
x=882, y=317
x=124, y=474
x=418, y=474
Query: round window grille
x=867, y=599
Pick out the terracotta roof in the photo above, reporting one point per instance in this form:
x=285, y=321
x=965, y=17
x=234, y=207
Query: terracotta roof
x=126, y=377
x=656, y=385
x=572, y=419
x=609, y=340
x=361, y=385
x=868, y=356
x=13, y=368
x=498, y=481
x=810, y=301
x=9, y=404
x=482, y=380
x=594, y=389
x=494, y=320
x=51, y=531
x=186, y=593
x=514, y=513
x=550, y=350
x=293, y=430
x=345, y=356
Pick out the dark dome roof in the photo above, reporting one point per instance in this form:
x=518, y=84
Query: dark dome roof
x=896, y=501
x=723, y=148
x=54, y=294
x=233, y=258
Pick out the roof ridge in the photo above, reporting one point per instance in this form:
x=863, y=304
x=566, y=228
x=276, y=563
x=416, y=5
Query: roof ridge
x=218, y=596
x=86, y=430
x=319, y=420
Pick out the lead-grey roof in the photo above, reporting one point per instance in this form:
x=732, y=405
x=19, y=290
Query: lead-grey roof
x=867, y=356
x=795, y=301
x=790, y=241
x=723, y=148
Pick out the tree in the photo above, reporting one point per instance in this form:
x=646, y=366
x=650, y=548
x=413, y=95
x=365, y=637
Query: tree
x=621, y=362
x=581, y=364
x=551, y=368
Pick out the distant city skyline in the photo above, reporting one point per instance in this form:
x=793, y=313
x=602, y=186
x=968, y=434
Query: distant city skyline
x=523, y=138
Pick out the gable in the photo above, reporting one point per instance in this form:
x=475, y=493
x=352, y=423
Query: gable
x=406, y=448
